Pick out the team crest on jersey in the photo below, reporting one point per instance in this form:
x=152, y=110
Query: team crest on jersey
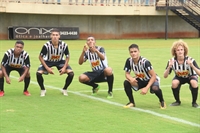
x=95, y=63
x=140, y=75
x=16, y=65
x=182, y=73
x=55, y=57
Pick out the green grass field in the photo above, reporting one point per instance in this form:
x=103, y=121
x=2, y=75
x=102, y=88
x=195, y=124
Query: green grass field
x=82, y=113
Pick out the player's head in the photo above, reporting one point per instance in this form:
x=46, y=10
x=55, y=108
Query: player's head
x=19, y=46
x=90, y=41
x=134, y=51
x=179, y=48
x=133, y=46
x=55, y=35
x=19, y=42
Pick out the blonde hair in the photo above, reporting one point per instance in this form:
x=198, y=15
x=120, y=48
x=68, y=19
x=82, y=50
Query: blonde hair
x=178, y=43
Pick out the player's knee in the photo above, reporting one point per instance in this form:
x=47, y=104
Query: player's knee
x=28, y=75
x=83, y=78
x=155, y=88
x=175, y=86
x=38, y=74
x=193, y=83
x=126, y=84
x=71, y=74
x=175, y=83
x=108, y=71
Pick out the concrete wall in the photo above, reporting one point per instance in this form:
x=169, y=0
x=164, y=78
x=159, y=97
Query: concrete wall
x=102, y=22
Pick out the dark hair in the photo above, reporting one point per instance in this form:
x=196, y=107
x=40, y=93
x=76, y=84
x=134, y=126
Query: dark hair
x=92, y=37
x=133, y=46
x=55, y=30
x=20, y=42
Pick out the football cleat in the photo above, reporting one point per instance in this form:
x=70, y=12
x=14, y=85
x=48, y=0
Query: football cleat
x=26, y=93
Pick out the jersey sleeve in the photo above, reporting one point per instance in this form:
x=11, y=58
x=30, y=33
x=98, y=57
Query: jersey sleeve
x=85, y=56
x=195, y=64
x=43, y=52
x=147, y=65
x=102, y=50
x=127, y=66
x=27, y=61
x=4, y=60
x=66, y=51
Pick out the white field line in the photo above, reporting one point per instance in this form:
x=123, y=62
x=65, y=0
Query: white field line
x=121, y=105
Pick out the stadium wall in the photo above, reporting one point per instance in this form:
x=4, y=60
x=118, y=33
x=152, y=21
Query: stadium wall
x=112, y=24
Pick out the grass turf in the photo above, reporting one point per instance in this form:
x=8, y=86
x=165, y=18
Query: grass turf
x=80, y=112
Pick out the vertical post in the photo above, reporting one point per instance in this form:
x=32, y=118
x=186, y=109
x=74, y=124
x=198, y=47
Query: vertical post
x=166, y=20
x=199, y=33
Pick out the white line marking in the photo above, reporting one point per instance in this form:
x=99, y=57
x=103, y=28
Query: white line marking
x=121, y=105
x=119, y=89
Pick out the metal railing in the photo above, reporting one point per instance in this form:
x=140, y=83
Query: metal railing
x=86, y=2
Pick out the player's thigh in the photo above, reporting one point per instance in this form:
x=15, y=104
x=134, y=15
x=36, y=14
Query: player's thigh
x=92, y=76
x=84, y=78
x=59, y=65
x=41, y=69
x=194, y=81
x=8, y=70
x=100, y=78
x=21, y=71
x=175, y=82
x=68, y=69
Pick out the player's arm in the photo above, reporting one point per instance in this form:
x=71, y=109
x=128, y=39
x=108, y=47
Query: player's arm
x=42, y=54
x=81, y=58
x=63, y=69
x=26, y=69
x=194, y=66
x=66, y=62
x=100, y=53
x=151, y=72
x=43, y=62
x=5, y=74
x=152, y=79
x=168, y=68
x=67, y=58
x=131, y=79
x=3, y=64
x=127, y=69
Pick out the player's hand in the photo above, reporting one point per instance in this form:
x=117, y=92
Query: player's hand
x=21, y=79
x=133, y=81
x=8, y=81
x=50, y=70
x=189, y=61
x=144, y=91
x=85, y=48
x=62, y=71
x=171, y=62
x=93, y=48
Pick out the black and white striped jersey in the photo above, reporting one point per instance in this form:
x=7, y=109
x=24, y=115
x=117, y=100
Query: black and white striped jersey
x=95, y=61
x=16, y=62
x=183, y=70
x=140, y=69
x=52, y=54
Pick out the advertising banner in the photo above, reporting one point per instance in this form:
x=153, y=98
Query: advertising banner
x=42, y=33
